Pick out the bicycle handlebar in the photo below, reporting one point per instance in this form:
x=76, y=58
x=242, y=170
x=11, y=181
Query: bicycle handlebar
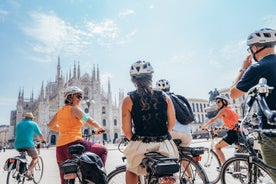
x=259, y=92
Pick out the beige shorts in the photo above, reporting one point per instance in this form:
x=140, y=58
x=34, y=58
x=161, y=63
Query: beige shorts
x=135, y=151
x=185, y=138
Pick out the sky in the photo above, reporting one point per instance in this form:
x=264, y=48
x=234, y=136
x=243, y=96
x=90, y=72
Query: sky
x=198, y=45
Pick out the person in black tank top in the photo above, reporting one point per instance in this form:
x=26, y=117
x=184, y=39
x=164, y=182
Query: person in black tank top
x=147, y=120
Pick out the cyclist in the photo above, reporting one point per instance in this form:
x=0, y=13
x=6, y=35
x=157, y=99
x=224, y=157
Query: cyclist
x=180, y=131
x=147, y=120
x=261, y=47
x=230, y=119
x=68, y=121
x=24, y=135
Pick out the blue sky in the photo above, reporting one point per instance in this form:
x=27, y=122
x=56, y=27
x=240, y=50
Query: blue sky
x=197, y=45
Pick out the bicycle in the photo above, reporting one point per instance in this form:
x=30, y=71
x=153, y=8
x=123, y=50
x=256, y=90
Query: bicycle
x=83, y=167
x=186, y=154
x=189, y=159
x=17, y=167
x=249, y=167
x=210, y=159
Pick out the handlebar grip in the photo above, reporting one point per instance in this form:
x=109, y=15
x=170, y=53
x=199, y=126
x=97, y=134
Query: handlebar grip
x=272, y=119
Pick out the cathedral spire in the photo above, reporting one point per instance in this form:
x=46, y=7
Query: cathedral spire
x=98, y=73
x=109, y=89
x=58, y=69
x=75, y=70
x=32, y=96
x=78, y=70
x=42, y=91
x=93, y=74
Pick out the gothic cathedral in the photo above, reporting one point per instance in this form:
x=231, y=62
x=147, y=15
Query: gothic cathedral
x=96, y=102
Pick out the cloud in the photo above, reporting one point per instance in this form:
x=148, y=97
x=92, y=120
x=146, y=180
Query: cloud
x=51, y=35
x=3, y=15
x=106, y=29
x=126, y=13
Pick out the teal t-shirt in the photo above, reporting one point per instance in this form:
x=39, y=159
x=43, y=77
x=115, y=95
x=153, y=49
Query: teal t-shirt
x=24, y=134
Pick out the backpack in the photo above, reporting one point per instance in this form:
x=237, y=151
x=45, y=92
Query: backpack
x=183, y=110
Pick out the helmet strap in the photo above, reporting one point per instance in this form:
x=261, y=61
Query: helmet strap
x=254, y=54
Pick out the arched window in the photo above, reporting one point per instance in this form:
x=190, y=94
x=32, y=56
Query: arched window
x=85, y=94
x=103, y=110
x=104, y=122
x=115, y=122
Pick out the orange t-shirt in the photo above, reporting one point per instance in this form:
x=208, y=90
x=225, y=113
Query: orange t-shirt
x=69, y=126
x=232, y=118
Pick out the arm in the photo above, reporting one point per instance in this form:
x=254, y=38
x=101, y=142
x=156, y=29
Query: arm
x=78, y=113
x=171, y=114
x=126, y=117
x=42, y=138
x=52, y=125
x=212, y=120
x=234, y=91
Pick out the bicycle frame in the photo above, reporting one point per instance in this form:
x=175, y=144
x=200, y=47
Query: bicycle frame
x=249, y=135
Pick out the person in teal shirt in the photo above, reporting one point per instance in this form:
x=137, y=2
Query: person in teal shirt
x=24, y=139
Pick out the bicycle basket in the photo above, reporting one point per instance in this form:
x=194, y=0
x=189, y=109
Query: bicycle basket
x=92, y=168
x=69, y=166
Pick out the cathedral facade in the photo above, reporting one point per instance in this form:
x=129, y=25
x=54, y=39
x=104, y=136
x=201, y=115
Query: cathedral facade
x=96, y=102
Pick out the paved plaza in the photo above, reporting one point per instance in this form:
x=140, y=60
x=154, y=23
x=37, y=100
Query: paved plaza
x=51, y=174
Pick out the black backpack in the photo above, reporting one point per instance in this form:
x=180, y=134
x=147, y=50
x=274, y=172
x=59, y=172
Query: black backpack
x=183, y=110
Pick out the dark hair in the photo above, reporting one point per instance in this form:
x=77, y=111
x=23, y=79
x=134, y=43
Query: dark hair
x=143, y=84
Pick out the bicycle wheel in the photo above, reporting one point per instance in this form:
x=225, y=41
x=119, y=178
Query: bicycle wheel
x=237, y=170
x=15, y=177
x=38, y=170
x=192, y=171
x=118, y=176
x=210, y=162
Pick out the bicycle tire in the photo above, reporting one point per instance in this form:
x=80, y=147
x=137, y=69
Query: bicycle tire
x=198, y=174
x=14, y=177
x=118, y=176
x=235, y=170
x=38, y=170
x=210, y=162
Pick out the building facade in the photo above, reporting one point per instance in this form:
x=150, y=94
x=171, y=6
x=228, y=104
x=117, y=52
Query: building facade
x=97, y=102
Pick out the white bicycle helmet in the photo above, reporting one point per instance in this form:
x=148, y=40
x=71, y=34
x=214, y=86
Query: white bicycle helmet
x=140, y=67
x=262, y=37
x=163, y=85
x=72, y=90
x=224, y=98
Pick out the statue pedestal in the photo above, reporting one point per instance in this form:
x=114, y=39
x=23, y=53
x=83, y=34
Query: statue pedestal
x=211, y=110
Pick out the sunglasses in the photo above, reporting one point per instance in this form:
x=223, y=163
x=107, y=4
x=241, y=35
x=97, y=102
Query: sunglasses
x=79, y=96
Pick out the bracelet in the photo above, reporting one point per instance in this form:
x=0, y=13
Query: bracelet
x=242, y=70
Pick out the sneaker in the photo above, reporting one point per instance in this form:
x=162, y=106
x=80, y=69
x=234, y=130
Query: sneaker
x=29, y=175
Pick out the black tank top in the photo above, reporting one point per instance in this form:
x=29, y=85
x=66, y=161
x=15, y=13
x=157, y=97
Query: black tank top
x=153, y=120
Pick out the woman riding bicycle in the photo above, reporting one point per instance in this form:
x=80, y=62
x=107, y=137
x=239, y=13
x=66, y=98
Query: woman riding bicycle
x=147, y=120
x=230, y=119
x=68, y=121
